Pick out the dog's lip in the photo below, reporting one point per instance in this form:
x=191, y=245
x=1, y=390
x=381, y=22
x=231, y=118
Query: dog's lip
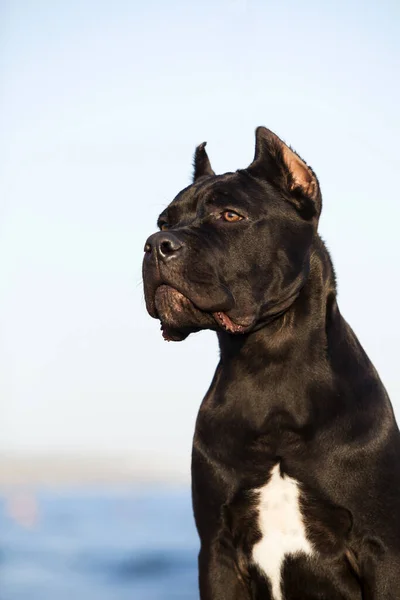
x=174, y=289
x=224, y=321
x=185, y=295
x=221, y=317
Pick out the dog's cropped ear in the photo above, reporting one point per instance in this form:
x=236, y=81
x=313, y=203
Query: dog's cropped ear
x=275, y=162
x=201, y=163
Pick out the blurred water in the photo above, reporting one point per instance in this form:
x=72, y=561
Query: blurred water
x=98, y=545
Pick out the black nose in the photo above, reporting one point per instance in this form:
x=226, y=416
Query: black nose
x=165, y=244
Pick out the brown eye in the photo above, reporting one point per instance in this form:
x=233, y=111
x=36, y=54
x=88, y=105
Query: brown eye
x=230, y=216
x=164, y=226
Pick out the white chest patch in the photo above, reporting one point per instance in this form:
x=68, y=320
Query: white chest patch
x=282, y=528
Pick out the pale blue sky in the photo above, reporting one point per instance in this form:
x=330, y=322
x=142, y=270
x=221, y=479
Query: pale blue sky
x=102, y=104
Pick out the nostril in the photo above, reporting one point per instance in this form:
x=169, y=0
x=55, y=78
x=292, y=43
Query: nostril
x=147, y=248
x=166, y=247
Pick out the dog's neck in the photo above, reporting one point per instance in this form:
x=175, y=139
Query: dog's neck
x=303, y=326
x=276, y=367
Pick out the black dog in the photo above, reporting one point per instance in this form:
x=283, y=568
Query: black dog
x=296, y=455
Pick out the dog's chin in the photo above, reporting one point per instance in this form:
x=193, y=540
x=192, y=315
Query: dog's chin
x=178, y=315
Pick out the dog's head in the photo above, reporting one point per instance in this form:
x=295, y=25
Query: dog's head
x=233, y=250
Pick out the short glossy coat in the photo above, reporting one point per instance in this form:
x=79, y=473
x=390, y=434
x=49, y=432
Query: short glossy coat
x=295, y=403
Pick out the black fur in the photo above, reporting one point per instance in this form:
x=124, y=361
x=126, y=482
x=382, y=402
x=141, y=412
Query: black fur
x=201, y=163
x=293, y=386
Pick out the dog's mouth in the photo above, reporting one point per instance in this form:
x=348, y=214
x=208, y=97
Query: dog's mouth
x=179, y=316
x=226, y=323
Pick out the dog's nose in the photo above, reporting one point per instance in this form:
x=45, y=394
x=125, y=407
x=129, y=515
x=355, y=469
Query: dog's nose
x=164, y=244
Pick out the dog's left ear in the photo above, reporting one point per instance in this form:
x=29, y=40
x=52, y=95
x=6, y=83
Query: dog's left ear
x=201, y=163
x=275, y=162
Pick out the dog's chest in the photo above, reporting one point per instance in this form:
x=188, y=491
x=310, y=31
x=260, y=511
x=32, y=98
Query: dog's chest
x=282, y=528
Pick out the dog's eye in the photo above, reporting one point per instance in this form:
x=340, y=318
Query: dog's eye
x=164, y=226
x=230, y=216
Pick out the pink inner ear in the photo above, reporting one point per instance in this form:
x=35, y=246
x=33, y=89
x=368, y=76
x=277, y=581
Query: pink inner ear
x=302, y=175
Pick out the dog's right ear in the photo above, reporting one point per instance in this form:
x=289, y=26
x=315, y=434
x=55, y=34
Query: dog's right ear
x=201, y=163
x=278, y=164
